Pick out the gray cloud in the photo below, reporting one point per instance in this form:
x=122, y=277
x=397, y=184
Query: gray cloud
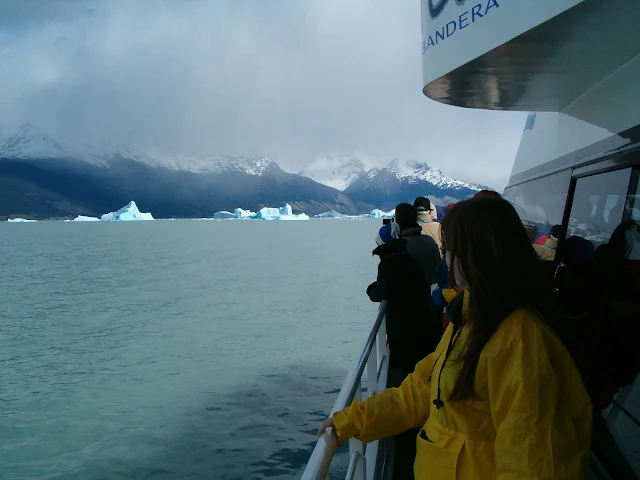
x=287, y=79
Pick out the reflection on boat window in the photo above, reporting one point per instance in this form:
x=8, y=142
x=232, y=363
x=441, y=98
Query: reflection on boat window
x=634, y=204
x=623, y=417
x=599, y=205
x=544, y=211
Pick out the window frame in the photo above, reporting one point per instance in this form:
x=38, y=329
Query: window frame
x=620, y=161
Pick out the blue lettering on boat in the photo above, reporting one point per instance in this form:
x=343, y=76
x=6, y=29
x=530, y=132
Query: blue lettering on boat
x=464, y=20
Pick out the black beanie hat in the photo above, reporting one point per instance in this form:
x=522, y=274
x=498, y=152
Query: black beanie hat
x=422, y=204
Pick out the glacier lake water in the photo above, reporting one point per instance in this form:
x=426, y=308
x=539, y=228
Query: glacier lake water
x=176, y=349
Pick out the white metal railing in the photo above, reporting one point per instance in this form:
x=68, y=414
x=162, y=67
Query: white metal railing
x=374, y=357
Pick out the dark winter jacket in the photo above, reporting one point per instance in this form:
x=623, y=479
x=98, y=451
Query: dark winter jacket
x=425, y=250
x=411, y=330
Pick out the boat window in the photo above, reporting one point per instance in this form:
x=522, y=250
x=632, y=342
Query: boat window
x=598, y=205
x=541, y=201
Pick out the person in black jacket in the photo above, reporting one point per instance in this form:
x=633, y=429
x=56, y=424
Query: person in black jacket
x=420, y=246
x=401, y=282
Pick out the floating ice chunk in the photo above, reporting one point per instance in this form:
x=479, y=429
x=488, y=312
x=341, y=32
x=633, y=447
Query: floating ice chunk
x=337, y=215
x=240, y=213
x=375, y=213
x=82, y=218
x=223, y=214
x=331, y=214
x=267, y=213
x=20, y=220
x=127, y=213
x=301, y=216
x=282, y=213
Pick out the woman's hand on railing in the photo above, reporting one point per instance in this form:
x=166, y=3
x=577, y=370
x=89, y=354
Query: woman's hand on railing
x=328, y=423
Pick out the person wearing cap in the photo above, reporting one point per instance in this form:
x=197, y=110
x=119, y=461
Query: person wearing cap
x=421, y=247
x=427, y=219
x=401, y=283
x=425, y=250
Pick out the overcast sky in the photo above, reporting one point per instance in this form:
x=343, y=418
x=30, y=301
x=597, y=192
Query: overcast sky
x=289, y=79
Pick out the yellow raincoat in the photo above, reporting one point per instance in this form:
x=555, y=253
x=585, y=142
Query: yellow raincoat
x=451, y=293
x=531, y=420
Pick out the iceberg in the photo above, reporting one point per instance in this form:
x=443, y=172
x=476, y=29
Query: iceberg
x=282, y=213
x=82, y=218
x=240, y=213
x=127, y=213
x=375, y=213
x=237, y=213
x=331, y=214
x=301, y=216
x=20, y=220
x=266, y=213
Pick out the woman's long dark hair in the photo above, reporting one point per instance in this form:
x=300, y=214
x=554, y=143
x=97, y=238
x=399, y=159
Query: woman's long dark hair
x=488, y=240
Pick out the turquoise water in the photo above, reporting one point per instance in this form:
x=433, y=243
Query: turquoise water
x=175, y=349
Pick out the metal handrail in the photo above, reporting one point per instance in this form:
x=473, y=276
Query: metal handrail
x=320, y=460
x=346, y=396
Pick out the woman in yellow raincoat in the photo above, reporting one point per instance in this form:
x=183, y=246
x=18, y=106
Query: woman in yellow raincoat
x=500, y=398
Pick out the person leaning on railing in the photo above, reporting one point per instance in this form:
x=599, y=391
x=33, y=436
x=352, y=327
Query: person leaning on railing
x=500, y=398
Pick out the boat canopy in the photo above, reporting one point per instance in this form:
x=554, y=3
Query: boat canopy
x=525, y=55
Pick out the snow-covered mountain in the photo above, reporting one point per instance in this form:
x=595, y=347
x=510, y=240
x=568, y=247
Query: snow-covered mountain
x=415, y=172
x=335, y=172
x=42, y=178
x=399, y=181
x=404, y=181
x=27, y=142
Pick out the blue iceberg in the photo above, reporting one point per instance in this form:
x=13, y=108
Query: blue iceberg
x=266, y=213
x=375, y=213
x=127, y=213
x=240, y=213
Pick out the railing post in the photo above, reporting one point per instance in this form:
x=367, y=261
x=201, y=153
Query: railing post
x=382, y=338
x=356, y=446
x=372, y=373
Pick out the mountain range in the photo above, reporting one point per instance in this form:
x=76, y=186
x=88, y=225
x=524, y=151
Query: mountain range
x=387, y=186
x=42, y=178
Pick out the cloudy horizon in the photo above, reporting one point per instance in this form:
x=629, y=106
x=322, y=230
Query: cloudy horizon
x=292, y=81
